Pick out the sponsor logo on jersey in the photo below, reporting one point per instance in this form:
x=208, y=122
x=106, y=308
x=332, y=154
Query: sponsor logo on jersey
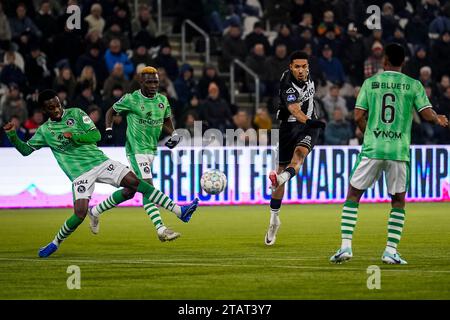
x=86, y=119
x=387, y=134
x=143, y=164
x=375, y=85
x=70, y=122
x=148, y=114
x=290, y=90
x=151, y=122
x=79, y=182
x=146, y=169
x=161, y=105
x=110, y=168
x=291, y=98
x=81, y=189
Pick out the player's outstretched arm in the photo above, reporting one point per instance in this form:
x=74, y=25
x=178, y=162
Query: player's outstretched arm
x=360, y=119
x=21, y=146
x=109, y=118
x=169, y=128
x=431, y=116
x=92, y=136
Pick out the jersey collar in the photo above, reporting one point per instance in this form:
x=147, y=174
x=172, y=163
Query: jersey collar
x=140, y=91
x=62, y=116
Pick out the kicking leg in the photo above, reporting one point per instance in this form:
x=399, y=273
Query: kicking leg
x=280, y=178
x=71, y=224
x=275, y=204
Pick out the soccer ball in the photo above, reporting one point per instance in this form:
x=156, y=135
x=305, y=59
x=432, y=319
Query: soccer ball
x=213, y=181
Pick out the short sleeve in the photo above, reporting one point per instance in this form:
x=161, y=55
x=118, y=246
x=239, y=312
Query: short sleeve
x=37, y=141
x=86, y=123
x=289, y=95
x=362, y=101
x=168, y=110
x=123, y=105
x=421, y=100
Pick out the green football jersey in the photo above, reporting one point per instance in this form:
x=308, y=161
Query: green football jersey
x=145, y=119
x=74, y=159
x=390, y=99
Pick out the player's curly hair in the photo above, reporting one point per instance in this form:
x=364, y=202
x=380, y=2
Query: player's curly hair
x=45, y=96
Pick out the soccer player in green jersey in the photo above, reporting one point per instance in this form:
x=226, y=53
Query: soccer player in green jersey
x=147, y=113
x=72, y=137
x=388, y=100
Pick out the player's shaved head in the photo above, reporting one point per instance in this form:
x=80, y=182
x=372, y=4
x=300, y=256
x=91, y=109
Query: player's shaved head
x=395, y=54
x=45, y=96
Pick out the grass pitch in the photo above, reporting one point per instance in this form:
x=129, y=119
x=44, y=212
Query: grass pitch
x=221, y=255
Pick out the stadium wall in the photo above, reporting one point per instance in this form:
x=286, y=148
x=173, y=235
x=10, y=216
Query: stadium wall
x=37, y=182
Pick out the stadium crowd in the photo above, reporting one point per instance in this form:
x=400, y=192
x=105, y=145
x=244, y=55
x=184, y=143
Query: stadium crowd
x=93, y=67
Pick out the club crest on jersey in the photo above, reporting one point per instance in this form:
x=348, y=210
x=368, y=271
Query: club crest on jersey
x=161, y=105
x=70, y=122
x=291, y=98
x=142, y=107
x=290, y=90
x=81, y=189
x=147, y=170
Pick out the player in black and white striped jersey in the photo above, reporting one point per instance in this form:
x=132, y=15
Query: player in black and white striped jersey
x=299, y=130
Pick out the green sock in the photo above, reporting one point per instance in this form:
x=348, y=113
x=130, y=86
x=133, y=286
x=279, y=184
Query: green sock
x=113, y=200
x=153, y=213
x=157, y=197
x=395, y=229
x=67, y=228
x=348, y=222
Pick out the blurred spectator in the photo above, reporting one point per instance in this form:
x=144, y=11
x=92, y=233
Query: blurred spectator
x=278, y=11
x=353, y=55
x=440, y=53
x=189, y=121
x=220, y=15
x=420, y=59
x=374, y=63
x=262, y=119
x=376, y=36
x=425, y=77
x=66, y=78
x=22, y=26
x=20, y=130
x=350, y=101
x=233, y=47
x=254, y=61
x=86, y=97
x=416, y=31
x=115, y=55
x=5, y=30
x=87, y=75
x=331, y=67
x=166, y=84
x=315, y=69
x=399, y=37
x=441, y=23
x=114, y=31
x=210, y=74
x=18, y=58
x=428, y=10
x=122, y=16
x=274, y=67
x=286, y=37
x=215, y=110
x=37, y=69
x=63, y=97
x=117, y=77
x=241, y=120
x=388, y=20
x=144, y=27
x=257, y=36
x=36, y=120
x=141, y=56
x=167, y=61
x=13, y=105
x=334, y=100
x=116, y=93
x=95, y=19
x=328, y=24
x=47, y=23
x=443, y=85
x=338, y=131
x=300, y=8
x=306, y=22
x=67, y=46
x=92, y=58
x=95, y=113
x=11, y=72
x=185, y=85
x=443, y=134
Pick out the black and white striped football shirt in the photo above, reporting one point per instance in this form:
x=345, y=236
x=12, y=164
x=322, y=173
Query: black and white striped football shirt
x=293, y=91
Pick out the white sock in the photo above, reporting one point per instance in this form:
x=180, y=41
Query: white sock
x=391, y=250
x=161, y=229
x=274, y=219
x=346, y=243
x=95, y=212
x=283, y=177
x=177, y=210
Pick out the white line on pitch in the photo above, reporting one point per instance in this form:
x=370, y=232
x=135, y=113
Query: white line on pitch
x=159, y=262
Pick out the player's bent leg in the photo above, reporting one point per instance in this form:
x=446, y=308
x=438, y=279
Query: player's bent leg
x=291, y=170
x=275, y=205
x=348, y=224
x=130, y=180
x=395, y=229
x=69, y=226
